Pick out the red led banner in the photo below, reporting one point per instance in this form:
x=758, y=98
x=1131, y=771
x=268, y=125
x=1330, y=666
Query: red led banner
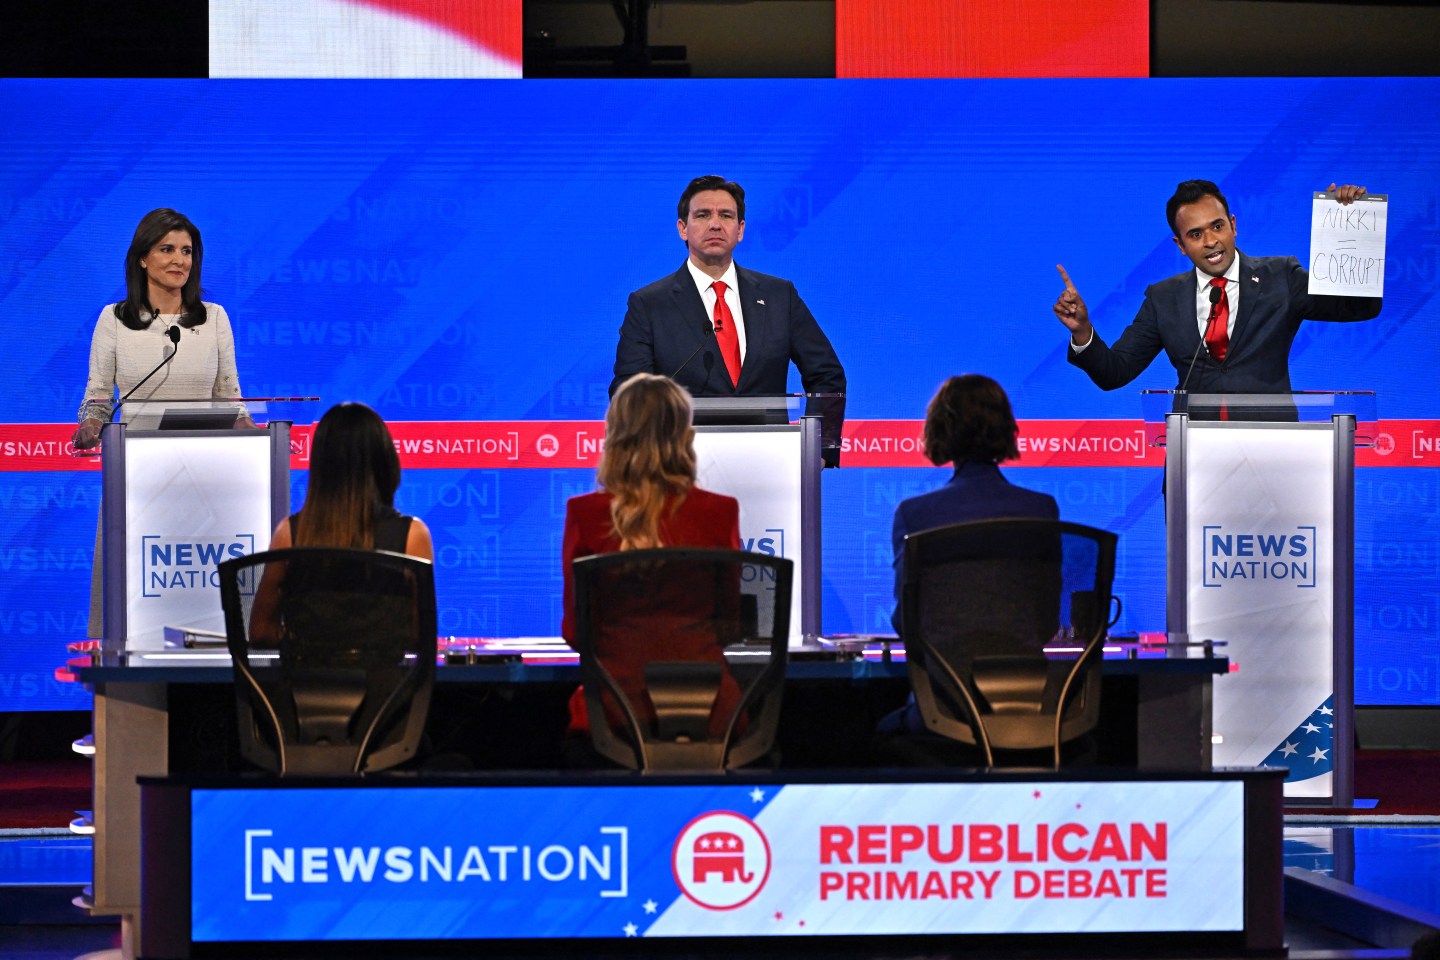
x=531, y=444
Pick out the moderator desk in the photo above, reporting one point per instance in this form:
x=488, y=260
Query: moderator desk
x=1155, y=704
x=1022, y=863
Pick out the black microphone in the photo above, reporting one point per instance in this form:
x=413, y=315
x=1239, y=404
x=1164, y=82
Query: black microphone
x=174, y=334
x=704, y=342
x=1216, y=294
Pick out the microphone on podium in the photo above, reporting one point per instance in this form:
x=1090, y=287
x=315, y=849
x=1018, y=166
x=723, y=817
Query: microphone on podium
x=174, y=334
x=704, y=342
x=1215, y=296
x=84, y=441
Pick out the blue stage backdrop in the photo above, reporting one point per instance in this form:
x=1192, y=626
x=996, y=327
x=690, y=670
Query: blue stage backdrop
x=452, y=251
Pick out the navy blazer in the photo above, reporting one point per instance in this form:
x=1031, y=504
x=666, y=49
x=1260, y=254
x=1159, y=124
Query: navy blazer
x=667, y=331
x=977, y=491
x=1273, y=302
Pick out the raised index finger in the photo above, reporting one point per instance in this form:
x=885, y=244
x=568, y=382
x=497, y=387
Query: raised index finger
x=1066, y=277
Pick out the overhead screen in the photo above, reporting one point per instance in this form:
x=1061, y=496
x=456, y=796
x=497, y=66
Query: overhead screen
x=364, y=38
x=1019, y=38
x=459, y=255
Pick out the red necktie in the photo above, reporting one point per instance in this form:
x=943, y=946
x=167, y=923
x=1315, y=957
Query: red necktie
x=726, y=334
x=1217, y=339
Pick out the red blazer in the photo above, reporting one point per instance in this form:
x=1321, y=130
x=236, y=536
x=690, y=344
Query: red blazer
x=703, y=519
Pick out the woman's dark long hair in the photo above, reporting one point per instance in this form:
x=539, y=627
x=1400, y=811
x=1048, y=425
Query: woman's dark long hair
x=135, y=310
x=354, y=473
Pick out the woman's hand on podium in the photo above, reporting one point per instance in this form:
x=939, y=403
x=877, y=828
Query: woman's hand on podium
x=87, y=435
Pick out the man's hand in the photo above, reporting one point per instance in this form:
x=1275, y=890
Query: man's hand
x=1347, y=194
x=87, y=434
x=1070, y=308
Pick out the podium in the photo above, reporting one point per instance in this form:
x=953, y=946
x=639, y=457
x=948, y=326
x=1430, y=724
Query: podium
x=766, y=453
x=182, y=488
x=1259, y=510
x=184, y=483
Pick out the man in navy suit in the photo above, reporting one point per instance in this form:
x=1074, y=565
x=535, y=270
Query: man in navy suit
x=1237, y=341
x=676, y=326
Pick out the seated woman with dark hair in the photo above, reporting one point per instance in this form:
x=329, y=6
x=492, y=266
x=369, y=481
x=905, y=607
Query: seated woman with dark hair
x=648, y=498
x=349, y=502
x=968, y=423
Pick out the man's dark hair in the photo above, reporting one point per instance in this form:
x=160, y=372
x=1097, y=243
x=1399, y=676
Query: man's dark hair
x=969, y=418
x=1189, y=192
x=701, y=184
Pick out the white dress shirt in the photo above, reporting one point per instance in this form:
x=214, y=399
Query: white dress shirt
x=705, y=285
x=1232, y=294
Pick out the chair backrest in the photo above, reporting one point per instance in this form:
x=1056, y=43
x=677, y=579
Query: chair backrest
x=652, y=628
x=980, y=602
x=334, y=656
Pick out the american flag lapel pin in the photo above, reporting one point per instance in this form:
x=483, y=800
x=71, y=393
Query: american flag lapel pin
x=761, y=302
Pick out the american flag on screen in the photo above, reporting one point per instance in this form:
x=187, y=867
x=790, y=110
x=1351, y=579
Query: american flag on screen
x=1308, y=749
x=365, y=38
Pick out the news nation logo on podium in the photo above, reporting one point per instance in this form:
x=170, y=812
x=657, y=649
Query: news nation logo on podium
x=1264, y=553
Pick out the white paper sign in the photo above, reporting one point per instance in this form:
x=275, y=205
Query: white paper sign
x=1347, y=246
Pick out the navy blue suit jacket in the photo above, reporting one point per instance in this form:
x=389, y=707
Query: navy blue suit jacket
x=666, y=326
x=977, y=491
x=1273, y=302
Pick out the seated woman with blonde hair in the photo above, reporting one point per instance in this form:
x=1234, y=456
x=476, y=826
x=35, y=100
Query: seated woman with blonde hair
x=648, y=497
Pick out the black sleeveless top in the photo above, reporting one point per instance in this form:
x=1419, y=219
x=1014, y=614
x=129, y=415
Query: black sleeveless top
x=392, y=529
x=325, y=608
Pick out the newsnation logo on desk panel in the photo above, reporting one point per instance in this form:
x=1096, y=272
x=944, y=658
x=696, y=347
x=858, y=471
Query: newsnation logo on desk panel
x=725, y=860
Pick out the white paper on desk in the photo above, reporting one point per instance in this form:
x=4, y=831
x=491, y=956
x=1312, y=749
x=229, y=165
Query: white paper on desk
x=1347, y=246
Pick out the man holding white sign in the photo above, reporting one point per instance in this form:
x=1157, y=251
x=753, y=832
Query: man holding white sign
x=1225, y=326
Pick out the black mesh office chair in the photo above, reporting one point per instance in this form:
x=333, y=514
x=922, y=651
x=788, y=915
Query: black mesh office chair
x=334, y=655
x=652, y=628
x=980, y=601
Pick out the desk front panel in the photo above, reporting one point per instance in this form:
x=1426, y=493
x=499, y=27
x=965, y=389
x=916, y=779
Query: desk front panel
x=611, y=859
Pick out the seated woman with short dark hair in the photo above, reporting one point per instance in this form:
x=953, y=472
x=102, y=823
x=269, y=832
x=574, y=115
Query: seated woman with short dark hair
x=968, y=423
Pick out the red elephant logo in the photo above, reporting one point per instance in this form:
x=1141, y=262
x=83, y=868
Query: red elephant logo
x=722, y=853
x=721, y=859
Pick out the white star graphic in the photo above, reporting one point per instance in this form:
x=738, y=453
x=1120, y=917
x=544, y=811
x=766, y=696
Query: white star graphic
x=631, y=930
x=1326, y=711
x=1310, y=728
x=757, y=795
x=1287, y=750
x=650, y=906
x=1318, y=755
